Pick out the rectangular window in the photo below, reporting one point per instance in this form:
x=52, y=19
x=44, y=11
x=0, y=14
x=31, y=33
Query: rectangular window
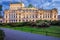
x=16, y=20
x=36, y=16
x=16, y=16
x=40, y=16
x=33, y=16
x=26, y=16
x=19, y=17
x=54, y=16
x=6, y=21
x=45, y=15
x=48, y=15
x=19, y=20
x=6, y=16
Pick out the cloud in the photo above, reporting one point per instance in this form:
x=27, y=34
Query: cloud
x=0, y=2
x=55, y=0
x=5, y=7
x=6, y=0
x=47, y=4
x=58, y=12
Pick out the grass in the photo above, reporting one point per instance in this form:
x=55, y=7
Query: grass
x=51, y=31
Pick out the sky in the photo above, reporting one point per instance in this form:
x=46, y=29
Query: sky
x=45, y=4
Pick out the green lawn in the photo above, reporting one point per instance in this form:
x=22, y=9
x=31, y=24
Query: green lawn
x=51, y=31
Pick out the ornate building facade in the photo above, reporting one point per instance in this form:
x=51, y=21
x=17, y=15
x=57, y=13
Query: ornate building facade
x=19, y=13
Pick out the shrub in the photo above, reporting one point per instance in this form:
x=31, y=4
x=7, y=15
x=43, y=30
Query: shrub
x=2, y=35
x=1, y=24
x=32, y=24
x=19, y=24
x=4, y=24
x=39, y=23
x=55, y=23
x=25, y=23
x=59, y=23
x=44, y=24
x=13, y=24
x=22, y=24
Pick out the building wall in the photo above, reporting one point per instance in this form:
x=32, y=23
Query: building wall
x=16, y=6
x=29, y=14
x=55, y=14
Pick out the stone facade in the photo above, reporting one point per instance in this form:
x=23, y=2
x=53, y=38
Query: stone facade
x=19, y=13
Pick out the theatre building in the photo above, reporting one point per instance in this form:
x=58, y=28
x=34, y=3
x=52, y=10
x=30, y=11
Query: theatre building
x=19, y=13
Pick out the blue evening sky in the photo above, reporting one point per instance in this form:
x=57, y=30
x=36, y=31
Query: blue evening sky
x=45, y=4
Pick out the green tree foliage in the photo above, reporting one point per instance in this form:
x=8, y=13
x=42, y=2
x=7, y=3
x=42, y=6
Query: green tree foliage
x=0, y=16
x=0, y=7
x=38, y=23
x=56, y=23
x=0, y=11
x=2, y=35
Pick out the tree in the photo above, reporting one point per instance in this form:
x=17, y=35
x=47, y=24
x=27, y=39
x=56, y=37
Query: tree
x=0, y=7
x=2, y=35
x=0, y=15
x=0, y=11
